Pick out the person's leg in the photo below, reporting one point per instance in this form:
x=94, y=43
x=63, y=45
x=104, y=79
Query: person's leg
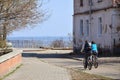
x=95, y=56
x=86, y=56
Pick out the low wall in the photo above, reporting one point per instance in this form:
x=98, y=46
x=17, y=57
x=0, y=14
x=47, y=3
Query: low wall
x=10, y=61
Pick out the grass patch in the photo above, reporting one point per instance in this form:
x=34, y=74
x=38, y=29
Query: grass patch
x=80, y=75
x=11, y=72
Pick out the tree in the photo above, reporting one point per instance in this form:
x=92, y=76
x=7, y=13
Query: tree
x=18, y=14
x=57, y=43
x=70, y=41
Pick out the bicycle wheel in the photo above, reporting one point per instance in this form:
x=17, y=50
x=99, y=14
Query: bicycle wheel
x=89, y=65
x=96, y=64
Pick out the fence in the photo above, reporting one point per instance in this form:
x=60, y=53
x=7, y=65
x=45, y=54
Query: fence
x=35, y=43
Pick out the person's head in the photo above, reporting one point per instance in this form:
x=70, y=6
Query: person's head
x=86, y=41
x=93, y=42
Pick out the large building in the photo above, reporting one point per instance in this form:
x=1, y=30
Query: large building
x=97, y=20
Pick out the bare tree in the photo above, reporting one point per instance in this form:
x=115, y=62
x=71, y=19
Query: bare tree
x=57, y=43
x=70, y=41
x=17, y=14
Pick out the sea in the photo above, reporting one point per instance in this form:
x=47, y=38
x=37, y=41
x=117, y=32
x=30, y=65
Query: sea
x=38, y=38
x=36, y=42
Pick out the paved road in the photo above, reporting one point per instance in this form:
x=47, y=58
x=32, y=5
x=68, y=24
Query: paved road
x=35, y=69
x=58, y=57
x=111, y=70
x=41, y=65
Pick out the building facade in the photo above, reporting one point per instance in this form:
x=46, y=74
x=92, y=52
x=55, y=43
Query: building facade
x=96, y=20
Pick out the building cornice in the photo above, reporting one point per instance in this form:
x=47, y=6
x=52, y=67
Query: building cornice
x=93, y=11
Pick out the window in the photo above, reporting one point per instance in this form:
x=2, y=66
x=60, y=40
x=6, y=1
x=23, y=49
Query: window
x=90, y=2
x=87, y=27
x=81, y=2
x=81, y=27
x=99, y=25
x=99, y=1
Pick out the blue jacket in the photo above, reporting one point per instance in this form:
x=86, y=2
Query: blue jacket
x=94, y=47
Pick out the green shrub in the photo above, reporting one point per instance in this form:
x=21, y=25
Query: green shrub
x=2, y=44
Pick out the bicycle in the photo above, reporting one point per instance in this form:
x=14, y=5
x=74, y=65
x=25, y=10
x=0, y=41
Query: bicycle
x=91, y=60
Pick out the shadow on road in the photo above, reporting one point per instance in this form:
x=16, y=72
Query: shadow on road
x=45, y=55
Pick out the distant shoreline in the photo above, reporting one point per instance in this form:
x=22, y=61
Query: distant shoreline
x=37, y=38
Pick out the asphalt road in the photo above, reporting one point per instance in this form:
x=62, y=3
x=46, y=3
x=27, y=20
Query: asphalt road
x=58, y=58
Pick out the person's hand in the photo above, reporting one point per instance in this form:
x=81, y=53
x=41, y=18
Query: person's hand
x=81, y=52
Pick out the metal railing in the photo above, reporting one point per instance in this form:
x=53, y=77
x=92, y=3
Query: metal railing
x=35, y=43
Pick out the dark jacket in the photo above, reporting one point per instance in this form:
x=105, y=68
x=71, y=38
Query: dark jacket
x=87, y=47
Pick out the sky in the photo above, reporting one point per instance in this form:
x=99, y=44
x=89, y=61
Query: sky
x=58, y=24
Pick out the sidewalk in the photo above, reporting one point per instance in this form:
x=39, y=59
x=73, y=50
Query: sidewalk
x=34, y=69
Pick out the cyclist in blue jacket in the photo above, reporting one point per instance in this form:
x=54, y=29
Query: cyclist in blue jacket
x=94, y=48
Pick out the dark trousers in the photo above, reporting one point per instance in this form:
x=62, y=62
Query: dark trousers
x=87, y=54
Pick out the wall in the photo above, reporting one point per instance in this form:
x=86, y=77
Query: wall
x=9, y=61
x=109, y=24
x=96, y=5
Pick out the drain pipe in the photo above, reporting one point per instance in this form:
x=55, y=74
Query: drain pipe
x=90, y=18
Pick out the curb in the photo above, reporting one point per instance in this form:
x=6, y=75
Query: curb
x=101, y=60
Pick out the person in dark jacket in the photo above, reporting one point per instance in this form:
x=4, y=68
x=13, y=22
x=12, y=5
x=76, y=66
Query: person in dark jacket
x=87, y=50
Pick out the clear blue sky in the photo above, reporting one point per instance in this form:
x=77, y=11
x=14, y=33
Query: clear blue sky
x=59, y=23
